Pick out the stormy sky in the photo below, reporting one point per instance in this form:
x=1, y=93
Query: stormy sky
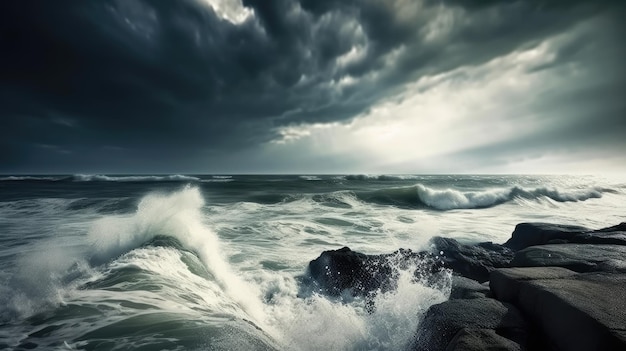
x=312, y=86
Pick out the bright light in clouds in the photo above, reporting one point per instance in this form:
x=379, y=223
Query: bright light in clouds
x=437, y=115
x=564, y=163
x=463, y=121
x=230, y=10
x=306, y=86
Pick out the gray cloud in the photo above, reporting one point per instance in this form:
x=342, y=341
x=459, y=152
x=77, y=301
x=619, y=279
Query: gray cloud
x=161, y=79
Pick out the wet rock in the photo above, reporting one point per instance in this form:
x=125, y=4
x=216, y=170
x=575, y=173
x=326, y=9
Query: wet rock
x=531, y=234
x=577, y=257
x=465, y=288
x=336, y=271
x=505, y=282
x=472, y=261
x=616, y=228
x=600, y=237
x=572, y=311
x=443, y=321
x=473, y=339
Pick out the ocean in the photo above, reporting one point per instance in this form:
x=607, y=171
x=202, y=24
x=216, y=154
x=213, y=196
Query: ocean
x=219, y=262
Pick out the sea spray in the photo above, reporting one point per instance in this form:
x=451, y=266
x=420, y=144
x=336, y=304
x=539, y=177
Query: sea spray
x=46, y=271
x=447, y=199
x=177, y=215
x=382, y=321
x=100, y=264
x=299, y=323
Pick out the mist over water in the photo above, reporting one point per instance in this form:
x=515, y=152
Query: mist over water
x=217, y=262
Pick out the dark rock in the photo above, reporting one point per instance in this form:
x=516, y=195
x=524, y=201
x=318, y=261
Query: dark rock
x=335, y=271
x=443, y=321
x=341, y=269
x=600, y=237
x=472, y=339
x=616, y=228
x=573, y=311
x=465, y=288
x=577, y=257
x=504, y=282
x=472, y=261
x=531, y=234
x=557, y=241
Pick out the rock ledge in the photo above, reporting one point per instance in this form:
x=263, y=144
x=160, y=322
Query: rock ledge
x=550, y=287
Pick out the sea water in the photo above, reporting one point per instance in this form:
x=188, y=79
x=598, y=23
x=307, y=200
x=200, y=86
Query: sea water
x=102, y=262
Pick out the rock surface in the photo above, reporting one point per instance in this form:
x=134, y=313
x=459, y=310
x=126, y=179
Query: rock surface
x=443, y=321
x=465, y=288
x=472, y=261
x=505, y=282
x=473, y=339
x=336, y=271
x=563, y=309
x=573, y=311
x=577, y=257
x=530, y=234
x=551, y=287
x=598, y=237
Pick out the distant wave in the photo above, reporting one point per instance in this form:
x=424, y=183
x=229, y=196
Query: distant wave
x=217, y=180
x=310, y=177
x=420, y=196
x=381, y=177
x=29, y=178
x=105, y=178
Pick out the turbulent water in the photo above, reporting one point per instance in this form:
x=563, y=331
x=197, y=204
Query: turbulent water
x=218, y=262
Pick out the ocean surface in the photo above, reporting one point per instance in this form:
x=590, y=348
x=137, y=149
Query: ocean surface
x=172, y=262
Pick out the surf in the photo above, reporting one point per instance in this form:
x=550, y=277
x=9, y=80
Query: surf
x=444, y=199
x=206, y=264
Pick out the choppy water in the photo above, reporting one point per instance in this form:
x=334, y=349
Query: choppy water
x=214, y=262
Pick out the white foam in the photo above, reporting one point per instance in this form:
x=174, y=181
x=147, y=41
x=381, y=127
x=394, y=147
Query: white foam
x=219, y=179
x=42, y=279
x=398, y=312
x=448, y=199
x=177, y=215
x=320, y=323
x=382, y=177
x=310, y=177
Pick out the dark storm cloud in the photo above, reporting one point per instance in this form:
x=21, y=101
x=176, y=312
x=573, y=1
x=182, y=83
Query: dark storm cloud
x=134, y=83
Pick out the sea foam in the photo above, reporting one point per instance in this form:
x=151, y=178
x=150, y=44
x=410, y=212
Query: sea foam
x=447, y=199
x=177, y=215
x=421, y=196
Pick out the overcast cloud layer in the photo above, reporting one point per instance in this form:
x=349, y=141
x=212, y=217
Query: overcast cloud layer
x=395, y=86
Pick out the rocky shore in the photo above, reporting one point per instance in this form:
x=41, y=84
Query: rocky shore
x=549, y=287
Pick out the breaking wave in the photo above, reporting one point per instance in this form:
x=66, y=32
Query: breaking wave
x=420, y=196
x=163, y=261
x=29, y=178
x=310, y=177
x=381, y=177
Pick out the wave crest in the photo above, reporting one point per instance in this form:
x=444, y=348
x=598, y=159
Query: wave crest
x=380, y=177
x=421, y=196
x=29, y=178
x=177, y=215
